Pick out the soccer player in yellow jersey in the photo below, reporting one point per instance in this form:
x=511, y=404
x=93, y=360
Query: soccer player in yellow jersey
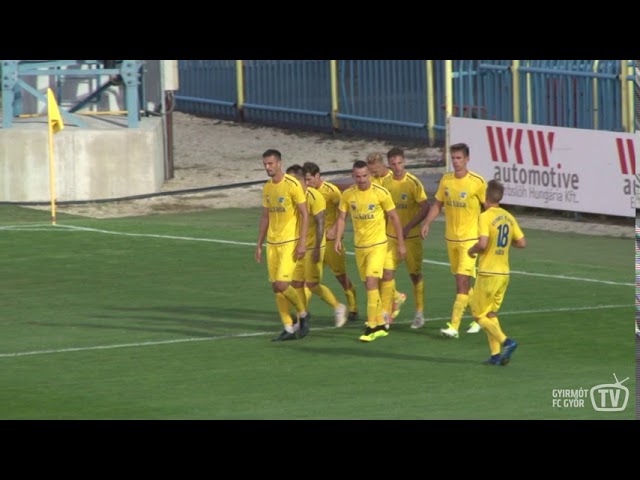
x=498, y=231
x=369, y=205
x=412, y=206
x=337, y=263
x=284, y=225
x=307, y=274
x=462, y=195
x=379, y=173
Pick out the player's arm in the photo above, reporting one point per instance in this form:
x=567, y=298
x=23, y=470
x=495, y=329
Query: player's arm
x=301, y=248
x=434, y=211
x=262, y=233
x=331, y=232
x=520, y=243
x=421, y=215
x=340, y=224
x=319, y=217
x=478, y=247
x=394, y=218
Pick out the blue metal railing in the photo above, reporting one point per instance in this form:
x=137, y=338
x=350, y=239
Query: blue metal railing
x=388, y=98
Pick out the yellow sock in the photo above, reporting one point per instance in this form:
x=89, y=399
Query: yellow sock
x=325, y=294
x=458, y=309
x=352, y=304
x=418, y=294
x=296, y=300
x=283, y=309
x=386, y=295
x=396, y=293
x=302, y=296
x=470, y=294
x=492, y=327
x=494, y=345
x=373, y=307
x=307, y=294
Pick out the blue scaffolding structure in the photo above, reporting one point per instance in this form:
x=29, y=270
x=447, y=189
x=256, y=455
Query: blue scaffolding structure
x=121, y=73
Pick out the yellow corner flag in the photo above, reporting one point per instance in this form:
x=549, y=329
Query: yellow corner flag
x=55, y=120
x=55, y=125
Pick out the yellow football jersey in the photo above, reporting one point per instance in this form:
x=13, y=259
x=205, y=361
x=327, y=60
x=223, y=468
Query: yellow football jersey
x=315, y=204
x=407, y=195
x=367, y=209
x=462, y=199
x=332, y=196
x=502, y=228
x=282, y=199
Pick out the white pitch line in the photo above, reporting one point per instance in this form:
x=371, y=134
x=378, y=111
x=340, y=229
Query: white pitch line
x=231, y=242
x=257, y=334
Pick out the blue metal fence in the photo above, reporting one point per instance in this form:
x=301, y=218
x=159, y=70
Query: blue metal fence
x=288, y=93
x=383, y=97
x=208, y=88
x=405, y=98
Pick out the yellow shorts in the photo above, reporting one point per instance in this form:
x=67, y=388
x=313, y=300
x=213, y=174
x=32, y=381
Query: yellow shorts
x=307, y=270
x=413, y=259
x=281, y=261
x=488, y=294
x=337, y=263
x=370, y=261
x=461, y=263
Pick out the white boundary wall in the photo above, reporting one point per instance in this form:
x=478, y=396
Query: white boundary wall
x=577, y=170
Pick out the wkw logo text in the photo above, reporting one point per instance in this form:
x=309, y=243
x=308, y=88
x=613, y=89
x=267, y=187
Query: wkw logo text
x=504, y=141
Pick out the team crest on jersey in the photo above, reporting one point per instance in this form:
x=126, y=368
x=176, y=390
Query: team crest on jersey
x=280, y=199
x=463, y=194
x=353, y=205
x=371, y=206
x=404, y=196
x=446, y=191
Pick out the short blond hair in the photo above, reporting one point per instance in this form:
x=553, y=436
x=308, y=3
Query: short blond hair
x=375, y=157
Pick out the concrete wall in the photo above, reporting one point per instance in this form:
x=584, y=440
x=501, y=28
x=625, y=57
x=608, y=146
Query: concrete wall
x=107, y=160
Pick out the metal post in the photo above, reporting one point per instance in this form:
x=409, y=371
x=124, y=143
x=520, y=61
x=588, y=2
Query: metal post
x=9, y=82
x=333, y=65
x=131, y=76
x=240, y=88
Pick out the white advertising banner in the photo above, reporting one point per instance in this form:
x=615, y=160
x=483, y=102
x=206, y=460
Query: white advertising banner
x=558, y=168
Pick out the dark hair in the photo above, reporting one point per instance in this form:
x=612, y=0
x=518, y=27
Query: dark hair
x=395, y=152
x=495, y=191
x=272, y=152
x=460, y=147
x=360, y=164
x=310, y=167
x=296, y=169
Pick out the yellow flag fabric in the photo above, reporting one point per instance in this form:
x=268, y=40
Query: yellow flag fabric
x=55, y=120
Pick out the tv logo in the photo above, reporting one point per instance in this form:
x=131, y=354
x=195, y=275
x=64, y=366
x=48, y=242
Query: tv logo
x=608, y=396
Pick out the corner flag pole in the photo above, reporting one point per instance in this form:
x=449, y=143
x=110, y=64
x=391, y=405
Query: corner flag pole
x=54, y=126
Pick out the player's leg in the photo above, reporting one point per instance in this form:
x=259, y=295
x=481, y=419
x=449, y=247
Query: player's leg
x=388, y=283
x=398, y=298
x=338, y=265
x=451, y=330
x=464, y=271
x=371, y=268
x=481, y=304
x=280, y=274
x=313, y=275
x=413, y=261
